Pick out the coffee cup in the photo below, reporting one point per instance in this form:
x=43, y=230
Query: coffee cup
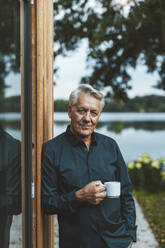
x=112, y=189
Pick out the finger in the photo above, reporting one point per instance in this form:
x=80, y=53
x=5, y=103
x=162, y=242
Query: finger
x=98, y=183
x=101, y=188
x=101, y=195
x=96, y=202
x=99, y=200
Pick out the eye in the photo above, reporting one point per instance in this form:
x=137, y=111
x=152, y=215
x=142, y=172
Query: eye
x=81, y=111
x=94, y=114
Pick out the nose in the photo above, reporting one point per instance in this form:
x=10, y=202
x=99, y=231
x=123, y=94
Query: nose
x=87, y=116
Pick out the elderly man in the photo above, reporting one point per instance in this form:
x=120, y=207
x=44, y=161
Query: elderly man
x=75, y=165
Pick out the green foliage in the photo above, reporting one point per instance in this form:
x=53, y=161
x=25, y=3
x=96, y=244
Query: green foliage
x=147, y=174
x=154, y=211
x=150, y=103
x=163, y=179
x=61, y=105
x=116, y=41
x=145, y=24
x=11, y=104
x=118, y=127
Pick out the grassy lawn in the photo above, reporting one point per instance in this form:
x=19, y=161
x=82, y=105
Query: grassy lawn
x=153, y=206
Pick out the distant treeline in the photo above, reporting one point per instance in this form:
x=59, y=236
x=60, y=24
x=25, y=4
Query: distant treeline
x=151, y=103
x=10, y=104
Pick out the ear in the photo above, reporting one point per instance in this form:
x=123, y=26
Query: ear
x=69, y=111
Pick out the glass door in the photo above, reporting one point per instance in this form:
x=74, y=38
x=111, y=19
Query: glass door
x=37, y=115
x=26, y=120
x=10, y=126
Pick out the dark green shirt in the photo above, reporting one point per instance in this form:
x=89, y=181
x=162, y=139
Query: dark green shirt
x=67, y=166
x=10, y=174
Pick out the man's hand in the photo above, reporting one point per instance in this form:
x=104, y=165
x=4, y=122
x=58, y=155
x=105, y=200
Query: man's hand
x=93, y=193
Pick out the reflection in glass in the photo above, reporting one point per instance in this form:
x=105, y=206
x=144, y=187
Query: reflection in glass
x=118, y=127
x=10, y=184
x=10, y=144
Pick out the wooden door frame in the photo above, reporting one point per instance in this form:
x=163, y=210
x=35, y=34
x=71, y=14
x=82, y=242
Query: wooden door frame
x=42, y=112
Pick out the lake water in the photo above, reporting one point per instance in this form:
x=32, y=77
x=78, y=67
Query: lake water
x=136, y=133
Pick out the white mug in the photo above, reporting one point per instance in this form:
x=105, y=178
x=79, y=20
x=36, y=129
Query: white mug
x=112, y=189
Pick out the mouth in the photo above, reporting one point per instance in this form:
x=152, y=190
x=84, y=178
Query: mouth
x=84, y=127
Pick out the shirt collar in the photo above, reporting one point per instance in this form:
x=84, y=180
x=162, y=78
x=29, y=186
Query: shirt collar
x=75, y=141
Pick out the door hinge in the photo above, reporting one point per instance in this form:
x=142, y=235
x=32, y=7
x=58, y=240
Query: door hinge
x=33, y=190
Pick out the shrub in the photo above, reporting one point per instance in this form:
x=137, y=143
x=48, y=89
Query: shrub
x=147, y=174
x=163, y=180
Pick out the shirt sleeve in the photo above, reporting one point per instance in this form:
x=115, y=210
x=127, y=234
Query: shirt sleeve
x=128, y=212
x=13, y=179
x=52, y=201
x=10, y=175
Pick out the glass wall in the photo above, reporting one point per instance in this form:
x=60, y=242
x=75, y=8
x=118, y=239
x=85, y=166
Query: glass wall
x=10, y=126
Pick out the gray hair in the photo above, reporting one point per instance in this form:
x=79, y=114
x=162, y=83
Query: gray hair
x=87, y=89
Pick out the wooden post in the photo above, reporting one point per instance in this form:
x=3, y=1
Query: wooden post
x=44, y=95
x=42, y=109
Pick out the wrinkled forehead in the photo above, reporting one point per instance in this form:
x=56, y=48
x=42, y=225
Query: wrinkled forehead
x=88, y=101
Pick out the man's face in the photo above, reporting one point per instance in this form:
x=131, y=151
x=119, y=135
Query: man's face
x=84, y=115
